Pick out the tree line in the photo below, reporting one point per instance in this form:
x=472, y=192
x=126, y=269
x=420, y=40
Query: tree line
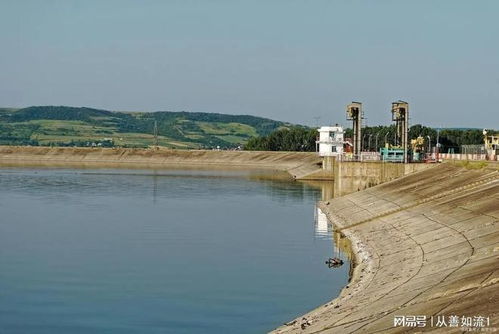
x=373, y=138
x=287, y=139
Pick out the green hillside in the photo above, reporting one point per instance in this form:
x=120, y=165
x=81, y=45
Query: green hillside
x=69, y=126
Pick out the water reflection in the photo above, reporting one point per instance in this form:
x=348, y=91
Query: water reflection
x=154, y=187
x=285, y=191
x=55, y=184
x=101, y=181
x=344, y=186
x=324, y=229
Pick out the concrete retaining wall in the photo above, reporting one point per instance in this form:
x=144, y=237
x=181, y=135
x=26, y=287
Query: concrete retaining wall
x=352, y=176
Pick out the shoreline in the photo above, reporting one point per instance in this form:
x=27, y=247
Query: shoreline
x=296, y=164
x=424, y=244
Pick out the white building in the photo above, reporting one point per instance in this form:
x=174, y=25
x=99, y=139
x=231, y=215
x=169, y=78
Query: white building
x=322, y=226
x=330, y=141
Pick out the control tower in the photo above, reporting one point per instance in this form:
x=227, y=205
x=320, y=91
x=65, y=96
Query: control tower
x=400, y=115
x=355, y=114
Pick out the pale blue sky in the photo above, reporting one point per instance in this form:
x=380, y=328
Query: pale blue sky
x=286, y=60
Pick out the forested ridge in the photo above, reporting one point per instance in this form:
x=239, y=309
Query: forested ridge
x=61, y=126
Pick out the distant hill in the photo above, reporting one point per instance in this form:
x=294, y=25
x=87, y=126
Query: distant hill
x=69, y=126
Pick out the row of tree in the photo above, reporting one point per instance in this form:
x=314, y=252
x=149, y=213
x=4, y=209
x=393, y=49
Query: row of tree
x=292, y=139
x=373, y=138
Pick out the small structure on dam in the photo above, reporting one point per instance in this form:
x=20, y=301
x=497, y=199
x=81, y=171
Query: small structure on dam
x=330, y=142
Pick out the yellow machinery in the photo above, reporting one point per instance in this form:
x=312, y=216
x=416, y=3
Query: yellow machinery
x=417, y=146
x=491, y=143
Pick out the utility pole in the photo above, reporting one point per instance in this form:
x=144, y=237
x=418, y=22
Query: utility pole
x=155, y=133
x=429, y=145
x=438, y=144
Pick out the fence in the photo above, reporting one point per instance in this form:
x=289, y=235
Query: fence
x=468, y=156
x=473, y=149
x=364, y=156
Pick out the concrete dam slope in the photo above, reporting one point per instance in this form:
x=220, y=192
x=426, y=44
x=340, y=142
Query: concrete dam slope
x=426, y=244
x=297, y=164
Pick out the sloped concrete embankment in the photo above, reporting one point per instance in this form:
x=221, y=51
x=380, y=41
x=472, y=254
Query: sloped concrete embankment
x=425, y=244
x=295, y=163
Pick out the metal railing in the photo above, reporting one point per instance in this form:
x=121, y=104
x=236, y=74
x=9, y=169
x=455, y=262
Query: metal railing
x=364, y=156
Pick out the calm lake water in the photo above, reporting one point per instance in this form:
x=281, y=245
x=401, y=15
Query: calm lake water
x=119, y=251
